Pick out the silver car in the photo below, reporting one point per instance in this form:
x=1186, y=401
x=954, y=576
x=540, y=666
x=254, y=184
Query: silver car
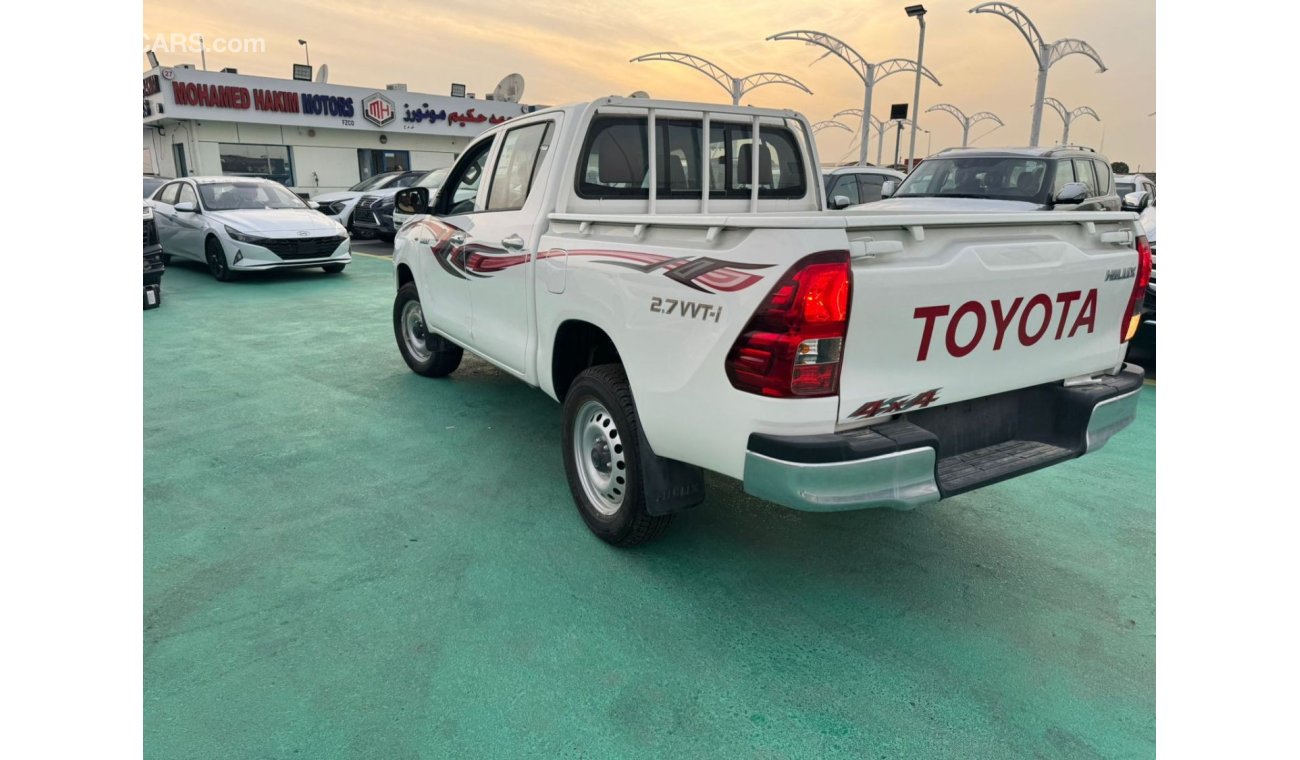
x=245, y=224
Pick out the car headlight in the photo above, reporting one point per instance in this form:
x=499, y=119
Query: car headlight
x=148, y=212
x=242, y=237
x=336, y=207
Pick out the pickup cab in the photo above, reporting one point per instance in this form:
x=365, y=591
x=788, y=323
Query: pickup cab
x=689, y=301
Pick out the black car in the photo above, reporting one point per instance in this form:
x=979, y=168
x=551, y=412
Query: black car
x=373, y=215
x=153, y=262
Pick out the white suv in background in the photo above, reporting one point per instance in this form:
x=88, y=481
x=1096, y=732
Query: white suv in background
x=852, y=185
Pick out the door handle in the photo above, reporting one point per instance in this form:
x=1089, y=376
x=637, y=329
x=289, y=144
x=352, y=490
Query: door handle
x=513, y=243
x=456, y=239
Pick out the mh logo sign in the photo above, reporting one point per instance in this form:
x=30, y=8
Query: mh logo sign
x=378, y=110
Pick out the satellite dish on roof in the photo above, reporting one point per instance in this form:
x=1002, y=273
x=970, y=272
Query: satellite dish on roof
x=323, y=74
x=639, y=94
x=510, y=90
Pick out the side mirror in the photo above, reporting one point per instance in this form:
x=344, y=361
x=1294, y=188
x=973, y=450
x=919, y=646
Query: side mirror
x=888, y=189
x=1073, y=192
x=186, y=207
x=840, y=201
x=313, y=204
x=413, y=200
x=1137, y=201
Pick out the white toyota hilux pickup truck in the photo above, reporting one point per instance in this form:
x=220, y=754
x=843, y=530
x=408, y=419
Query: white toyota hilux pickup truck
x=694, y=307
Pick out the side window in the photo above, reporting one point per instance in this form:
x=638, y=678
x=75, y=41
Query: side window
x=1064, y=176
x=847, y=186
x=1083, y=170
x=869, y=186
x=521, y=154
x=187, y=194
x=168, y=193
x=1103, y=177
x=461, y=190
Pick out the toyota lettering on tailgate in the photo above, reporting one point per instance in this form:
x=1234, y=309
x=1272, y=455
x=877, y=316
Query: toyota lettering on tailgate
x=1026, y=320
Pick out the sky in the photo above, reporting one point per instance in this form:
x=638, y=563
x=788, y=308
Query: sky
x=580, y=50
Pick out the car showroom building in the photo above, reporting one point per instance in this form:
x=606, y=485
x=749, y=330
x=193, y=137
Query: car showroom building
x=310, y=136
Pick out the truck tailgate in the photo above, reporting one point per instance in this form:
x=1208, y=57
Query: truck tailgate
x=960, y=307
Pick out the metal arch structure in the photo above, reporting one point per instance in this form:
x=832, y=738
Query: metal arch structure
x=1068, y=116
x=1045, y=54
x=869, y=73
x=828, y=123
x=736, y=87
x=966, y=121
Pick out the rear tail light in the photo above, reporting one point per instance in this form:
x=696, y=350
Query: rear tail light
x=793, y=344
x=1133, y=316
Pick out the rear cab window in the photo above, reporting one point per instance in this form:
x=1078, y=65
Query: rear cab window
x=614, y=162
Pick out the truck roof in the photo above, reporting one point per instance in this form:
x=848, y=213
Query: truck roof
x=670, y=105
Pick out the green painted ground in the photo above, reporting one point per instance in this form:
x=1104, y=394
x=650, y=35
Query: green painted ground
x=345, y=560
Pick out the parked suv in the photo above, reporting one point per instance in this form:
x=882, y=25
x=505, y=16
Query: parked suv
x=1007, y=179
x=851, y=185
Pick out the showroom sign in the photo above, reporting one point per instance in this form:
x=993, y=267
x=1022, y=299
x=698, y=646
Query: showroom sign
x=192, y=94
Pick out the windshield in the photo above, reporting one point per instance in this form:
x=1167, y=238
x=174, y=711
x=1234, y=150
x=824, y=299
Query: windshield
x=376, y=181
x=232, y=196
x=1010, y=178
x=434, y=179
x=405, y=179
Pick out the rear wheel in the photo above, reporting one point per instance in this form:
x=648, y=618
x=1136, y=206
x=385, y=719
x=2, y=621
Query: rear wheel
x=333, y=268
x=425, y=352
x=216, y=256
x=602, y=458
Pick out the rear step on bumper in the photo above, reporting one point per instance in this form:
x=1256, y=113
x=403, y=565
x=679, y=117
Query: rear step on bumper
x=923, y=456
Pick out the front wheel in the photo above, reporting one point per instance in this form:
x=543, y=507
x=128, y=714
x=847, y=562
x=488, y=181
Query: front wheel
x=602, y=458
x=425, y=352
x=216, y=256
x=333, y=268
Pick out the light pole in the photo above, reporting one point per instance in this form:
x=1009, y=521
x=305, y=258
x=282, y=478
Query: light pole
x=736, y=87
x=1044, y=54
x=880, y=126
x=306, y=50
x=1069, y=116
x=917, y=12
x=966, y=121
x=869, y=73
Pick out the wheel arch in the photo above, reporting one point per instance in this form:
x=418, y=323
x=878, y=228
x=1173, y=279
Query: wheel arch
x=578, y=345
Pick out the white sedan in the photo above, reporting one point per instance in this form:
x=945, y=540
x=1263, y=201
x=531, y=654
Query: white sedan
x=245, y=224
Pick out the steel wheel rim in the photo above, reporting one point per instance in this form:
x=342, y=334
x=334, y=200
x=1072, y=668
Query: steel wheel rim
x=414, y=333
x=599, y=457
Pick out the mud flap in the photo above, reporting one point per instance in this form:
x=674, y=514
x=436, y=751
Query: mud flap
x=670, y=486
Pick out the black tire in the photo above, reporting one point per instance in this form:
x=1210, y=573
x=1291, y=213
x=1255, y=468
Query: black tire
x=387, y=237
x=425, y=353
x=333, y=268
x=630, y=524
x=216, y=257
